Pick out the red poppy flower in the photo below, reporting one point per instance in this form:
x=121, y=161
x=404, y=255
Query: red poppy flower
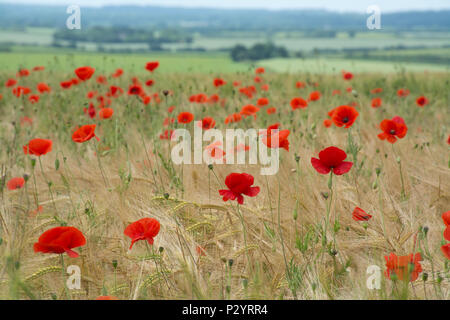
x=314, y=96
x=15, y=183
x=446, y=250
x=447, y=233
x=38, y=68
x=65, y=84
x=446, y=218
x=360, y=215
x=23, y=73
x=347, y=75
x=168, y=121
x=249, y=110
x=376, y=90
x=278, y=139
x=298, y=103
x=343, y=116
x=105, y=113
x=214, y=98
x=149, y=83
x=393, y=129
x=60, y=240
x=422, y=101
x=170, y=109
x=167, y=135
x=300, y=84
x=265, y=87
x=143, y=229
x=332, y=158
x=208, y=123
x=402, y=92
x=75, y=81
x=376, y=102
x=218, y=82
x=271, y=110
x=117, y=73
x=102, y=80
x=260, y=70
x=10, y=83
x=327, y=123
x=38, y=147
x=257, y=79
x=151, y=66
x=239, y=184
x=262, y=102
x=200, y=251
x=400, y=266
x=19, y=90
x=84, y=133
x=43, y=87
x=185, y=117
x=106, y=298
x=34, y=98
x=84, y=73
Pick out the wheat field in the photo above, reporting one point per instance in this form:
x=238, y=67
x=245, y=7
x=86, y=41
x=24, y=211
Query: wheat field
x=277, y=245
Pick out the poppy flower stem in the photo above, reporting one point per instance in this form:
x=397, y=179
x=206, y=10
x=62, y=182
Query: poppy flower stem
x=49, y=185
x=100, y=164
x=398, y=160
x=330, y=199
x=244, y=230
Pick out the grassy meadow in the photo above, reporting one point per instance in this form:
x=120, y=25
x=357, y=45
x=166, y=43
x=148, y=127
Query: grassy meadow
x=295, y=240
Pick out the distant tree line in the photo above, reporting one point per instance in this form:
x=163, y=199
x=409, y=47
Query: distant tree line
x=258, y=51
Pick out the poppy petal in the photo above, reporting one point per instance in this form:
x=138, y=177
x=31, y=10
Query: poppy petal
x=320, y=168
x=344, y=167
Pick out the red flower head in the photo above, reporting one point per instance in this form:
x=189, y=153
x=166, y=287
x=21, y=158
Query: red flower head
x=19, y=90
x=38, y=147
x=149, y=83
x=135, y=89
x=84, y=133
x=15, y=183
x=23, y=73
x=300, y=84
x=376, y=102
x=260, y=70
x=38, y=68
x=314, y=96
x=276, y=139
x=271, y=110
x=102, y=80
x=151, y=66
x=393, y=129
x=377, y=90
x=185, y=117
x=331, y=158
x=239, y=184
x=446, y=250
x=400, y=266
x=43, y=87
x=10, y=82
x=347, y=75
x=422, y=101
x=60, y=240
x=446, y=218
x=208, y=123
x=34, y=98
x=343, y=116
x=218, y=82
x=402, y=92
x=447, y=233
x=262, y=102
x=66, y=84
x=105, y=113
x=249, y=110
x=143, y=229
x=360, y=215
x=327, y=123
x=117, y=73
x=84, y=73
x=298, y=102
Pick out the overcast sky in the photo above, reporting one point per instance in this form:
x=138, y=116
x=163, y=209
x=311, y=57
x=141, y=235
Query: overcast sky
x=336, y=5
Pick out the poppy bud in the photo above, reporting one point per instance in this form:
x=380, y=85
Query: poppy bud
x=365, y=225
x=166, y=92
x=398, y=160
x=224, y=260
x=324, y=195
x=228, y=288
x=161, y=249
x=355, y=93
x=26, y=177
x=166, y=196
x=114, y=263
x=295, y=214
x=424, y=276
x=394, y=277
x=33, y=162
x=411, y=267
x=57, y=164
x=425, y=230
x=375, y=185
x=333, y=252
x=439, y=279
x=297, y=158
x=230, y=262
x=210, y=166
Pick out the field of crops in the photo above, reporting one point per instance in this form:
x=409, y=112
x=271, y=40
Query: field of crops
x=88, y=180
